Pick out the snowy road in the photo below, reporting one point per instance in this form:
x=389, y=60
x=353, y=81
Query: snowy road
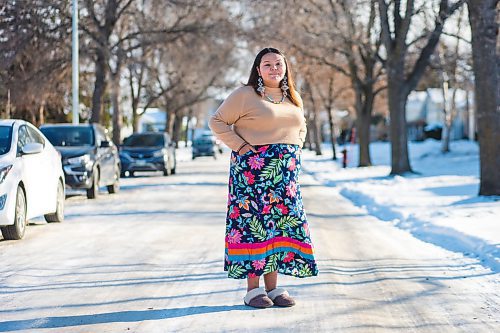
x=149, y=259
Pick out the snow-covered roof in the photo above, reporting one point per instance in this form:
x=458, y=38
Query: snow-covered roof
x=153, y=115
x=436, y=95
x=417, y=96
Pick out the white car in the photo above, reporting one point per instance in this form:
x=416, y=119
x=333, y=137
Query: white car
x=31, y=178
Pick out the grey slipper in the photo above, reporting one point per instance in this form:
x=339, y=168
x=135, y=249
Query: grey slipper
x=257, y=298
x=280, y=297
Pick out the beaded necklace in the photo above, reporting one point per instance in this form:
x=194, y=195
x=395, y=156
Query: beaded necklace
x=270, y=99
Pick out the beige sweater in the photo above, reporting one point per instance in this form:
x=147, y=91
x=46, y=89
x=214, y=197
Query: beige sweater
x=246, y=116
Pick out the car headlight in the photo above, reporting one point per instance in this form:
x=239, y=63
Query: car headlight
x=3, y=172
x=159, y=153
x=81, y=160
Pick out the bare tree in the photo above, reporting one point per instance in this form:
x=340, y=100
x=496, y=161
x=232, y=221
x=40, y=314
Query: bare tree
x=190, y=88
x=330, y=35
x=137, y=75
x=452, y=69
x=182, y=73
x=122, y=31
x=329, y=95
x=34, y=66
x=483, y=16
x=311, y=105
x=348, y=42
x=395, y=20
x=99, y=23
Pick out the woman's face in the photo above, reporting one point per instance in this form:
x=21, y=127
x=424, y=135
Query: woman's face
x=272, y=68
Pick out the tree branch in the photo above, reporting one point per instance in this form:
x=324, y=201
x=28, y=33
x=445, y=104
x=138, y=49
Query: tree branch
x=384, y=24
x=423, y=60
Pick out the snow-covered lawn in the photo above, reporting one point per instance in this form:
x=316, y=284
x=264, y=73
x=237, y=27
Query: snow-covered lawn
x=439, y=204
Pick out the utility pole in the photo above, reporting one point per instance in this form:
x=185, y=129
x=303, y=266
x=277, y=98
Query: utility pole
x=75, y=69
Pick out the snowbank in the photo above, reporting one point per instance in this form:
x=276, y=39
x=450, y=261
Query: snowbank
x=438, y=204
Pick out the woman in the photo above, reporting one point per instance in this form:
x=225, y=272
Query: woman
x=266, y=227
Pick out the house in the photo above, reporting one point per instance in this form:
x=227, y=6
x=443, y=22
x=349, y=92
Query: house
x=424, y=114
x=153, y=120
x=417, y=108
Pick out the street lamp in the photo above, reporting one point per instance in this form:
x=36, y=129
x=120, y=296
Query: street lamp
x=74, y=58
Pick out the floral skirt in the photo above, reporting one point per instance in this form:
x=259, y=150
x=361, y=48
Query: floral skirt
x=266, y=226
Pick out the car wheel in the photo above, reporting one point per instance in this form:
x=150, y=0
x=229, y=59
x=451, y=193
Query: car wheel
x=58, y=215
x=115, y=187
x=17, y=230
x=93, y=192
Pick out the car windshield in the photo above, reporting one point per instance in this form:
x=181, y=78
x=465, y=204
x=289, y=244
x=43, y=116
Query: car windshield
x=69, y=136
x=203, y=141
x=144, y=140
x=5, y=138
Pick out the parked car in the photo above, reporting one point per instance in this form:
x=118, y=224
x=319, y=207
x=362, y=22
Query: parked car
x=31, y=178
x=89, y=157
x=204, y=145
x=148, y=151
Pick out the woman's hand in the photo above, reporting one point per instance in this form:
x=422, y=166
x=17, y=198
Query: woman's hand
x=246, y=148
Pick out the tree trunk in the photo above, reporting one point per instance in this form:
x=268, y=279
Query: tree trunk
x=135, y=119
x=363, y=129
x=8, y=107
x=314, y=133
x=170, y=123
x=101, y=67
x=400, y=162
x=332, y=134
x=307, y=142
x=314, y=122
x=487, y=97
x=135, y=96
x=471, y=118
x=364, y=112
x=177, y=130
x=449, y=116
x=188, y=123
x=32, y=116
x=135, y=105
x=317, y=135
x=445, y=136
x=41, y=115
x=115, y=100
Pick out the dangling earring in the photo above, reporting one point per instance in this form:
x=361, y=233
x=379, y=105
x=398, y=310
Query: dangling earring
x=284, y=86
x=261, y=88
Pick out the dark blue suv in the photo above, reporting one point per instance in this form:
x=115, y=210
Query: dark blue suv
x=148, y=151
x=89, y=157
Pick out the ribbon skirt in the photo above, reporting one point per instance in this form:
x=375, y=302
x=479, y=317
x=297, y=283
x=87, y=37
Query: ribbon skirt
x=266, y=225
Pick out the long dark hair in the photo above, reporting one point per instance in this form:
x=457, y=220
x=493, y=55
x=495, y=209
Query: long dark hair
x=254, y=75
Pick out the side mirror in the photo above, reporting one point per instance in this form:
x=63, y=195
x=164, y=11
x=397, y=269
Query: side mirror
x=105, y=144
x=32, y=148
